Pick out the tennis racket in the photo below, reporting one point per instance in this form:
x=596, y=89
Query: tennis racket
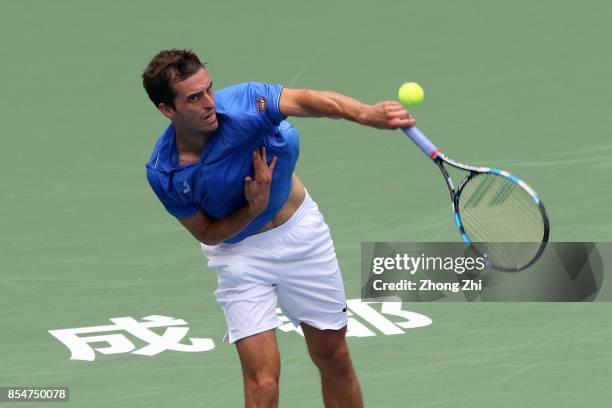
x=497, y=213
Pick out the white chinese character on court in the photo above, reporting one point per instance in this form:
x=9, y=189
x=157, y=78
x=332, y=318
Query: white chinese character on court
x=361, y=312
x=118, y=343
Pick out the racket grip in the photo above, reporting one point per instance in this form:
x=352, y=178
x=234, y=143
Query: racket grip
x=421, y=141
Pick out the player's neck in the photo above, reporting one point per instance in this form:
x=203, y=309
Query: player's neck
x=190, y=145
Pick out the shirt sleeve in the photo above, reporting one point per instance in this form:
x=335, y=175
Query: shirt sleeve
x=168, y=198
x=266, y=98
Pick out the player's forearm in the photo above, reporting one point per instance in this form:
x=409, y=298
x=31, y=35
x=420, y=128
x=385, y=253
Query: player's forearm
x=311, y=103
x=330, y=104
x=217, y=231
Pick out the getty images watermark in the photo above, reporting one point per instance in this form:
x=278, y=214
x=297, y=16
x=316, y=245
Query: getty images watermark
x=425, y=272
x=413, y=265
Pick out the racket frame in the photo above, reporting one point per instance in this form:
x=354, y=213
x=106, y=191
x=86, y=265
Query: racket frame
x=440, y=159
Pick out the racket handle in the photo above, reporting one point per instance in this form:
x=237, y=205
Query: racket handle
x=421, y=141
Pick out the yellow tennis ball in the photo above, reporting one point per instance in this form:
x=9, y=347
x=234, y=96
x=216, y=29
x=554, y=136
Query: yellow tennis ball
x=411, y=94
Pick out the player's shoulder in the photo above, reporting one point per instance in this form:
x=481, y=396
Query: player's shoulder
x=236, y=102
x=160, y=159
x=250, y=101
x=159, y=168
x=236, y=89
x=241, y=87
x=239, y=92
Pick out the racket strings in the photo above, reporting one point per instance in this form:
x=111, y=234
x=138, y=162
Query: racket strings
x=501, y=219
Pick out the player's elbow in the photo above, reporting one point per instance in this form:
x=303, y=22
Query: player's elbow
x=201, y=229
x=208, y=236
x=205, y=237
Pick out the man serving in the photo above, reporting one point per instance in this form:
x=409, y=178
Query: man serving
x=224, y=168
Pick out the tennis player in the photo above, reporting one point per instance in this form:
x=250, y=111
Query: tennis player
x=224, y=167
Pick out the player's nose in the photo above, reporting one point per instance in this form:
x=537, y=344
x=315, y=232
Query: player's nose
x=208, y=107
x=208, y=101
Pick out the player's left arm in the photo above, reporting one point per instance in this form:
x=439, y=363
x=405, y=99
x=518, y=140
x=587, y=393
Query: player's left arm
x=313, y=103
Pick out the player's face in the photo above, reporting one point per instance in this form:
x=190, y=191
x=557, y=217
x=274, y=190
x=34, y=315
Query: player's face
x=195, y=103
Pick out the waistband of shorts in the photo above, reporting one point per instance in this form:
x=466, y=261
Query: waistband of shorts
x=282, y=229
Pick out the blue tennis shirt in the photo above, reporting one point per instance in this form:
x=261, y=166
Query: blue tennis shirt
x=248, y=117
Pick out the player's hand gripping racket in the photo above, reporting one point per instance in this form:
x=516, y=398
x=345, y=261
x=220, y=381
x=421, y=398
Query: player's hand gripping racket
x=497, y=213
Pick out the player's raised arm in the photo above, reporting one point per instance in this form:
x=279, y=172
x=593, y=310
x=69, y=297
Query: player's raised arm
x=313, y=103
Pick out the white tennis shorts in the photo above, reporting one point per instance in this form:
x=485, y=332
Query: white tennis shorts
x=293, y=265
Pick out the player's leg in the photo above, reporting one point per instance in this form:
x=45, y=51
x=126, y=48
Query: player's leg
x=311, y=293
x=329, y=352
x=260, y=369
x=247, y=296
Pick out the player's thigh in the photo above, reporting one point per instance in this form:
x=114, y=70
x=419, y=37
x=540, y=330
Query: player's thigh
x=311, y=291
x=325, y=344
x=259, y=355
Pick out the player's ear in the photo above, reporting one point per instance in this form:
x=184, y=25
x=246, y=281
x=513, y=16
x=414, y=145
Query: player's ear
x=166, y=110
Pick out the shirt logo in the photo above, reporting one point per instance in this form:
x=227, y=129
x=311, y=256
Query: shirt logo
x=186, y=187
x=262, y=104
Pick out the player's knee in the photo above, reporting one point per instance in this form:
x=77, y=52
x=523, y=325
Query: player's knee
x=262, y=381
x=335, y=361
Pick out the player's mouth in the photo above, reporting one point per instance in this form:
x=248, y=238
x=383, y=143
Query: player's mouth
x=210, y=118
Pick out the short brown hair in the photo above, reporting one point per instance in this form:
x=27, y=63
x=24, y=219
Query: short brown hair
x=168, y=66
